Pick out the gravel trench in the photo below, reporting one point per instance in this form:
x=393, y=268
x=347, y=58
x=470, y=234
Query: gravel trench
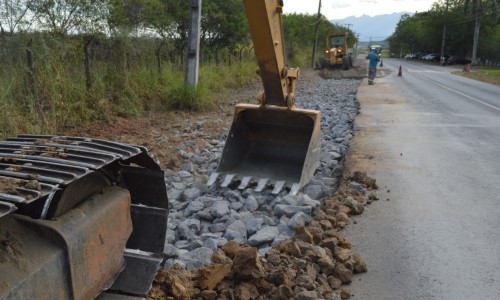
x=202, y=219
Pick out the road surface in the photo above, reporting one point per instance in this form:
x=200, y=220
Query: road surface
x=432, y=141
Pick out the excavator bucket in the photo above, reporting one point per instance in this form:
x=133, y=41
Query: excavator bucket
x=273, y=143
x=270, y=145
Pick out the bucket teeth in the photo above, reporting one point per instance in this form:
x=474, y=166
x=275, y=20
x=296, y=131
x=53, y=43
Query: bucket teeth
x=278, y=186
x=244, y=182
x=294, y=190
x=227, y=180
x=261, y=184
x=213, y=178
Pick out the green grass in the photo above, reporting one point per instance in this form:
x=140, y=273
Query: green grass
x=492, y=73
x=61, y=99
x=485, y=74
x=125, y=83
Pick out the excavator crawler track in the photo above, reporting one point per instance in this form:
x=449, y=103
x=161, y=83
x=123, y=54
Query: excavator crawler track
x=44, y=178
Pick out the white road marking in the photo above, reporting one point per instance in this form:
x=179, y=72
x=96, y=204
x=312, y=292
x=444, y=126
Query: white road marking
x=461, y=94
x=426, y=71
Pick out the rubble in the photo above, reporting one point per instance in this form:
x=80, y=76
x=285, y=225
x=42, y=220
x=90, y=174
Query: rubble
x=294, y=244
x=316, y=263
x=240, y=215
x=189, y=146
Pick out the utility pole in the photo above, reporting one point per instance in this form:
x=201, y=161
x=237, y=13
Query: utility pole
x=318, y=19
x=193, y=54
x=443, y=43
x=348, y=26
x=477, y=28
x=357, y=42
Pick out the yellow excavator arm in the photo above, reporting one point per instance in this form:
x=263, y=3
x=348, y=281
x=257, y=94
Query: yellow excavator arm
x=264, y=18
x=274, y=143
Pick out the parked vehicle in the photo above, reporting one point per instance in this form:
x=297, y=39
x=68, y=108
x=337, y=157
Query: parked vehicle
x=419, y=55
x=443, y=59
x=458, y=60
x=431, y=57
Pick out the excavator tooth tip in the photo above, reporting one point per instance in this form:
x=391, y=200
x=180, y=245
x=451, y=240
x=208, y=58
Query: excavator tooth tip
x=227, y=180
x=294, y=190
x=244, y=182
x=278, y=186
x=213, y=178
x=261, y=184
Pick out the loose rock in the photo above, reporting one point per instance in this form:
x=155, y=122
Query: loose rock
x=309, y=248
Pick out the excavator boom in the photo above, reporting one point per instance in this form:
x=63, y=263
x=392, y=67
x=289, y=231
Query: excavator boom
x=274, y=143
x=269, y=48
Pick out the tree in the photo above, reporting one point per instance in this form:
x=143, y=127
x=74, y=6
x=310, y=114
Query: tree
x=159, y=19
x=223, y=24
x=13, y=14
x=129, y=15
x=70, y=16
x=479, y=9
x=420, y=32
x=468, y=22
x=179, y=10
x=299, y=30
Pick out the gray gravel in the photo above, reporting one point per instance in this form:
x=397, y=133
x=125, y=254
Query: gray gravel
x=201, y=218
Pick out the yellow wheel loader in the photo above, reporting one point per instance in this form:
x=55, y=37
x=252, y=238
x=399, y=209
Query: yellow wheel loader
x=336, y=53
x=274, y=143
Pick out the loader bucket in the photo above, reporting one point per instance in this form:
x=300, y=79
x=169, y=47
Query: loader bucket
x=271, y=145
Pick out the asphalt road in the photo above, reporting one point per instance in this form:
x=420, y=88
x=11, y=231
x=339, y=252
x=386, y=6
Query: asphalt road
x=432, y=140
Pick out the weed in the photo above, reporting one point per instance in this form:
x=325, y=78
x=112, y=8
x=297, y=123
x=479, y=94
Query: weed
x=125, y=82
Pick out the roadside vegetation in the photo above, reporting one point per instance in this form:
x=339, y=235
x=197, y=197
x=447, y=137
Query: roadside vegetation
x=66, y=63
x=472, y=31
x=486, y=74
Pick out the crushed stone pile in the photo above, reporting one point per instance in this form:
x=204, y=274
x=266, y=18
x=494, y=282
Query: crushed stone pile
x=226, y=243
x=316, y=263
x=201, y=218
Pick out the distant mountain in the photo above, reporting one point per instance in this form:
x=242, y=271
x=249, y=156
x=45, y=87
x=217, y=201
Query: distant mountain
x=377, y=28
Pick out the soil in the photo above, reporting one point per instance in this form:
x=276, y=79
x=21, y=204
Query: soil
x=317, y=263
x=8, y=185
x=162, y=132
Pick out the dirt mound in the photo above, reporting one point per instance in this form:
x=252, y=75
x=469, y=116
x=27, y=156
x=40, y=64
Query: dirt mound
x=314, y=264
x=364, y=179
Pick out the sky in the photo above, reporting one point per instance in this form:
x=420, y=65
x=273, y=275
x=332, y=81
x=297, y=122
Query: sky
x=340, y=9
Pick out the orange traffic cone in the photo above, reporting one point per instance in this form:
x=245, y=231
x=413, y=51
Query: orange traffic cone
x=400, y=72
x=381, y=63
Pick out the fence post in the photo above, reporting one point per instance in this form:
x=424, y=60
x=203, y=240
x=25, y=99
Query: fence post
x=31, y=72
x=158, y=57
x=88, y=76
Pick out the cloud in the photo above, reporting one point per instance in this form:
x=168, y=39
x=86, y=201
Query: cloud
x=341, y=4
x=339, y=9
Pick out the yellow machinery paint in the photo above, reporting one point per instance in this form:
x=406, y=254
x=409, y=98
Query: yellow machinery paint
x=273, y=143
